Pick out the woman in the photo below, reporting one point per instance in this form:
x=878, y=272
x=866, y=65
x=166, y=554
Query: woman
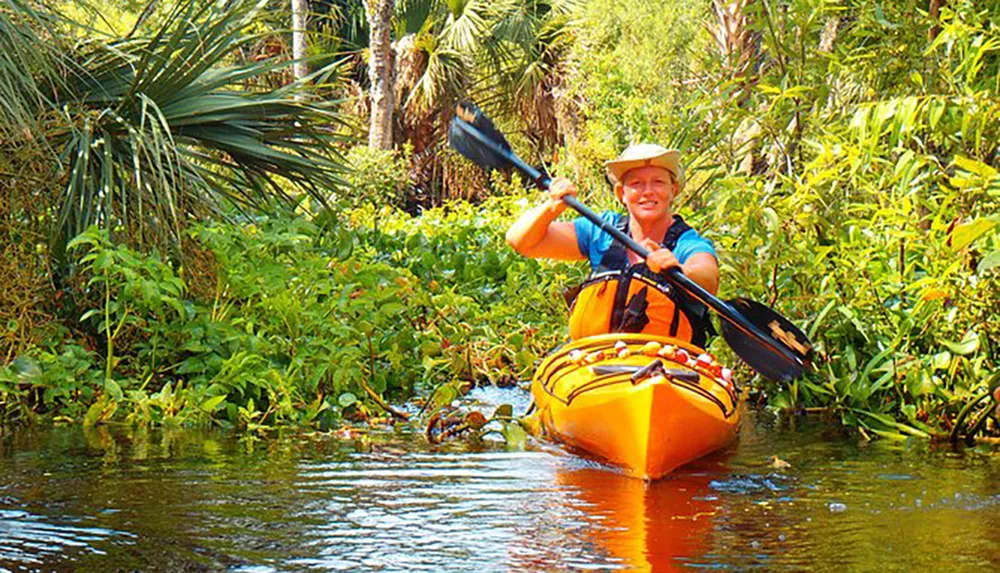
x=625, y=294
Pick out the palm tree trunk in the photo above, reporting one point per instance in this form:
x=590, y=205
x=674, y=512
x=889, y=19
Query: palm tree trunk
x=380, y=75
x=299, y=10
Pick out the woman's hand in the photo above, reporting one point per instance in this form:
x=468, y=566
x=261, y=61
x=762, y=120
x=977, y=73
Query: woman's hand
x=660, y=258
x=560, y=187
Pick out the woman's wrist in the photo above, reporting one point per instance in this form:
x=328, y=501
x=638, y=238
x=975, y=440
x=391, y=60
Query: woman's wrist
x=554, y=207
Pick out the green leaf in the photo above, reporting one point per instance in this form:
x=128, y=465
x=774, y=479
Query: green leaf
x=346, y=400
x=90, y=313
x=504, y=412
x=963, y=235
x=345, y=244
x=391, y=308
x=941, y=360
x=514, y=435
x=99, y=411
x=113, y=390
x=989, y=262
x=973, y=166
x=920, y=383
x=89, y=237
x=212, y=404
x=968, y=345
x=26, y=367
x=430, y=348
x=444, y=395
x=814, y=327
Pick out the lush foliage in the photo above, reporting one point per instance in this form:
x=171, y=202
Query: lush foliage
x=306, y=320
x=850, y=151
x=143, y=132
x=842, y=155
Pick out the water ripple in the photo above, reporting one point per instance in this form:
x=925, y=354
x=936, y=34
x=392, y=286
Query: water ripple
x=29, y=539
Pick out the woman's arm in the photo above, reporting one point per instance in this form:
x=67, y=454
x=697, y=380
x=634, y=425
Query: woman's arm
x=703, y=269
x=536, y=234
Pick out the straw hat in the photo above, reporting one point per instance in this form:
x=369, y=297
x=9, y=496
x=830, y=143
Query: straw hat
x=643, y=154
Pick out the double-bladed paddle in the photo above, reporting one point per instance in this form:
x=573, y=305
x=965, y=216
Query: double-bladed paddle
x=768, y=342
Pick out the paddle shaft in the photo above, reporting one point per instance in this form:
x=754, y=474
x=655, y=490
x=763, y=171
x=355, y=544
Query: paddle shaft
x=673, y=274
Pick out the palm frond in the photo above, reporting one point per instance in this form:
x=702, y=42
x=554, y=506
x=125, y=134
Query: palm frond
x=467, y=24
x=155, y=130
x=33, y=59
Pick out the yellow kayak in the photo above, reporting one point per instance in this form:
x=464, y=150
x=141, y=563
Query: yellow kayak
x=646, y=403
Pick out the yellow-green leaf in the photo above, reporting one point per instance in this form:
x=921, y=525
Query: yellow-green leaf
x=968, y=345
x=966, y=233
x=211, y=404
x=989, y=262
x=99, y=411
x=113, y=390
x=973, y=166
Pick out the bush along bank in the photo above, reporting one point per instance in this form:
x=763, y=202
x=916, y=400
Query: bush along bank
x=292, y=321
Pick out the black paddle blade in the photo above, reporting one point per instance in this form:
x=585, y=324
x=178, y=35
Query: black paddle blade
x=465, y=143
x=769, y=364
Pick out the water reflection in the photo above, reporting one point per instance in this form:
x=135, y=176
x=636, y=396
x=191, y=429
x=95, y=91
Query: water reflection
x=648, y=527
x=112, y=499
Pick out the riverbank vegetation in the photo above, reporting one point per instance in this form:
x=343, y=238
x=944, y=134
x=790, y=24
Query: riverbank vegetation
x=194, y=231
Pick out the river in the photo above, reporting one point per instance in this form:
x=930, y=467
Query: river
x=118, y=499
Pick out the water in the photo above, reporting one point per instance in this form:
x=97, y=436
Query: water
x=106, y=500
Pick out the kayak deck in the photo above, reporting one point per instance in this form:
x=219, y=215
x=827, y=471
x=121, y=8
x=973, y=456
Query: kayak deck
x=592, y=396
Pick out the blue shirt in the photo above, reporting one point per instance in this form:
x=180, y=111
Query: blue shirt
x=593, y=242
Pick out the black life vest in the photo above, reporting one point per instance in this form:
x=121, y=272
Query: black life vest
x=621, y=297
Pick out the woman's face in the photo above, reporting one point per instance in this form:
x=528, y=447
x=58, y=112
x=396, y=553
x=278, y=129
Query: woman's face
x=648, y=193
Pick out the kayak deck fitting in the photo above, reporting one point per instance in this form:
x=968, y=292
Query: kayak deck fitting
x=646, y=403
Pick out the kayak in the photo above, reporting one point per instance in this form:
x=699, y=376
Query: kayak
x=646, y=403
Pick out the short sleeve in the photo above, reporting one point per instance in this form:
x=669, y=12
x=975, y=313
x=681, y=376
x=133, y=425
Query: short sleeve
x=691, y=243
x=591, y=240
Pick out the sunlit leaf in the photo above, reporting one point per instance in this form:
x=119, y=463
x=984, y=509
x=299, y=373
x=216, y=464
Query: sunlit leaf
x=934, y=293
x=346, y=400
x=989, y=262
x=968, y=345
x=213, y=403
x=113, y=390
x=963, y=235
x=504, y=412
x=973, y=166
x=514, y=435
x=941, y=360
x=444, y=395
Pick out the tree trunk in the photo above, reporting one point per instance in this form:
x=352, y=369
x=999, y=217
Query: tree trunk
x=300, y=8
x=934, y=11
x=380, y=65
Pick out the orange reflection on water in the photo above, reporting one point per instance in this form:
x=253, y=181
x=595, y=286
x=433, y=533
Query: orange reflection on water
x=650, y=527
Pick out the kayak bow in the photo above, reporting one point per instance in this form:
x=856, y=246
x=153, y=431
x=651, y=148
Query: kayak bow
x=645, y=403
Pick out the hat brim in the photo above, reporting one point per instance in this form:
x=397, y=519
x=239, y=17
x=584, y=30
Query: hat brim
x=670, y=160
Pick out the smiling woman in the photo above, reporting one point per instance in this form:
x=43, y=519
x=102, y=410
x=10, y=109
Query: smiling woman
x=647, y=178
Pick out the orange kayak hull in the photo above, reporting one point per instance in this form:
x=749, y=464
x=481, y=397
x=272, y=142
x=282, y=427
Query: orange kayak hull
x=649, y=426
